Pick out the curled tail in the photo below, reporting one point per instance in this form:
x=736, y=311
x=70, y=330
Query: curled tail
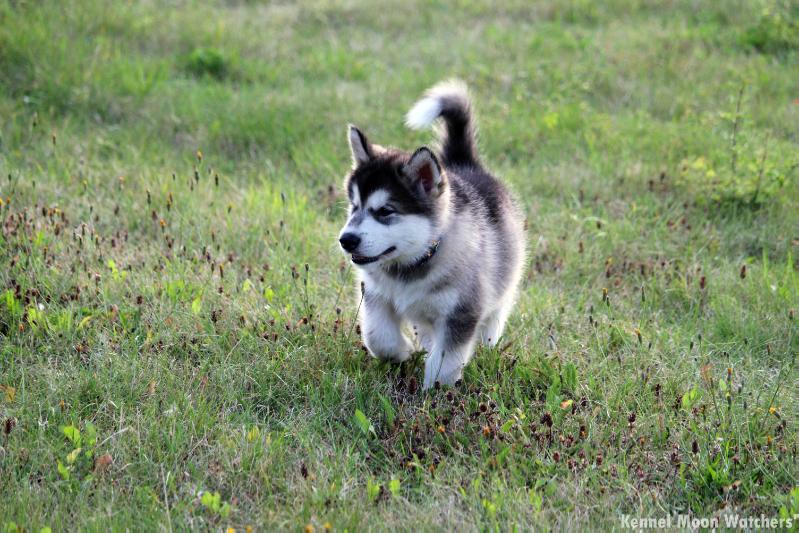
x=450, y=101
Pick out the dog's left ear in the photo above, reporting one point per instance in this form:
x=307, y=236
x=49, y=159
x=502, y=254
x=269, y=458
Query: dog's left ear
x=361, y=148
x=424, y=173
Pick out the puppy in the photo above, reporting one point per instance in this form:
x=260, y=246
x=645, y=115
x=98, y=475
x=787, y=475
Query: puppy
x=439, y=243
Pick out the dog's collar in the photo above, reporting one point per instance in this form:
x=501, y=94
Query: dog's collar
x=415, y=269
x=428, y=255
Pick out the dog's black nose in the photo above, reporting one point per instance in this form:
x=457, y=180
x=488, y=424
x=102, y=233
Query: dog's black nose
x=349, y=241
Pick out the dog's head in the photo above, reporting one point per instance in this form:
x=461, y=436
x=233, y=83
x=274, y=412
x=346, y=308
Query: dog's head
x=397, y=203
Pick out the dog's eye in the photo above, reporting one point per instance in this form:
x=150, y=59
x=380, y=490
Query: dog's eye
x=384, y=211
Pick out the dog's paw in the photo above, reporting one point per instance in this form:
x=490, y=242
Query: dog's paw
x=450, y=380
x=442, y=371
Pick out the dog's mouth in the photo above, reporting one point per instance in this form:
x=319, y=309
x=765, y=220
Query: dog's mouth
x=365, y=260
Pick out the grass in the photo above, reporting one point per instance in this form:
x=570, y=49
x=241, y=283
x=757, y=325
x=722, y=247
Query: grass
x=178, y=346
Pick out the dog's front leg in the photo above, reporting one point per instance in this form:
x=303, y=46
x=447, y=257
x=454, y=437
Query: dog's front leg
x=452, y=348
x=382, y=334
x=425, y=335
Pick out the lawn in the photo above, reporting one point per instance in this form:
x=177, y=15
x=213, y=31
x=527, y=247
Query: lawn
x=178, y=328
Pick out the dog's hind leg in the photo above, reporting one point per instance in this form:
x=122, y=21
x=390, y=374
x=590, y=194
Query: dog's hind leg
x=382, y=330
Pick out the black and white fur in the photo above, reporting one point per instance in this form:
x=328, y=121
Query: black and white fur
x=438, y=241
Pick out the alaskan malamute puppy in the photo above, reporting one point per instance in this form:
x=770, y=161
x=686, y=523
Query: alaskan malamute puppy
x=438, y=241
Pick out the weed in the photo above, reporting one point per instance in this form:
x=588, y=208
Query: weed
x=214, y=504
x=208, y=62
x=750, y=175
x=776, y=30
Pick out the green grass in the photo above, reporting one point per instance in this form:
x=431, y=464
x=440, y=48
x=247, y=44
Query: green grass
x=170, y=279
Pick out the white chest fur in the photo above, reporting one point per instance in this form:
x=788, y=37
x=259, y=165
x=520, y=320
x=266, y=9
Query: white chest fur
x=414, y=301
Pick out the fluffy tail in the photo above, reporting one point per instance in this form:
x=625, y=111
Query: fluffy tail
x=450, y=101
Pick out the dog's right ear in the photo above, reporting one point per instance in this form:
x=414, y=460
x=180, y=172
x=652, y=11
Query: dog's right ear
x=361, y=148
x=423, y=172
